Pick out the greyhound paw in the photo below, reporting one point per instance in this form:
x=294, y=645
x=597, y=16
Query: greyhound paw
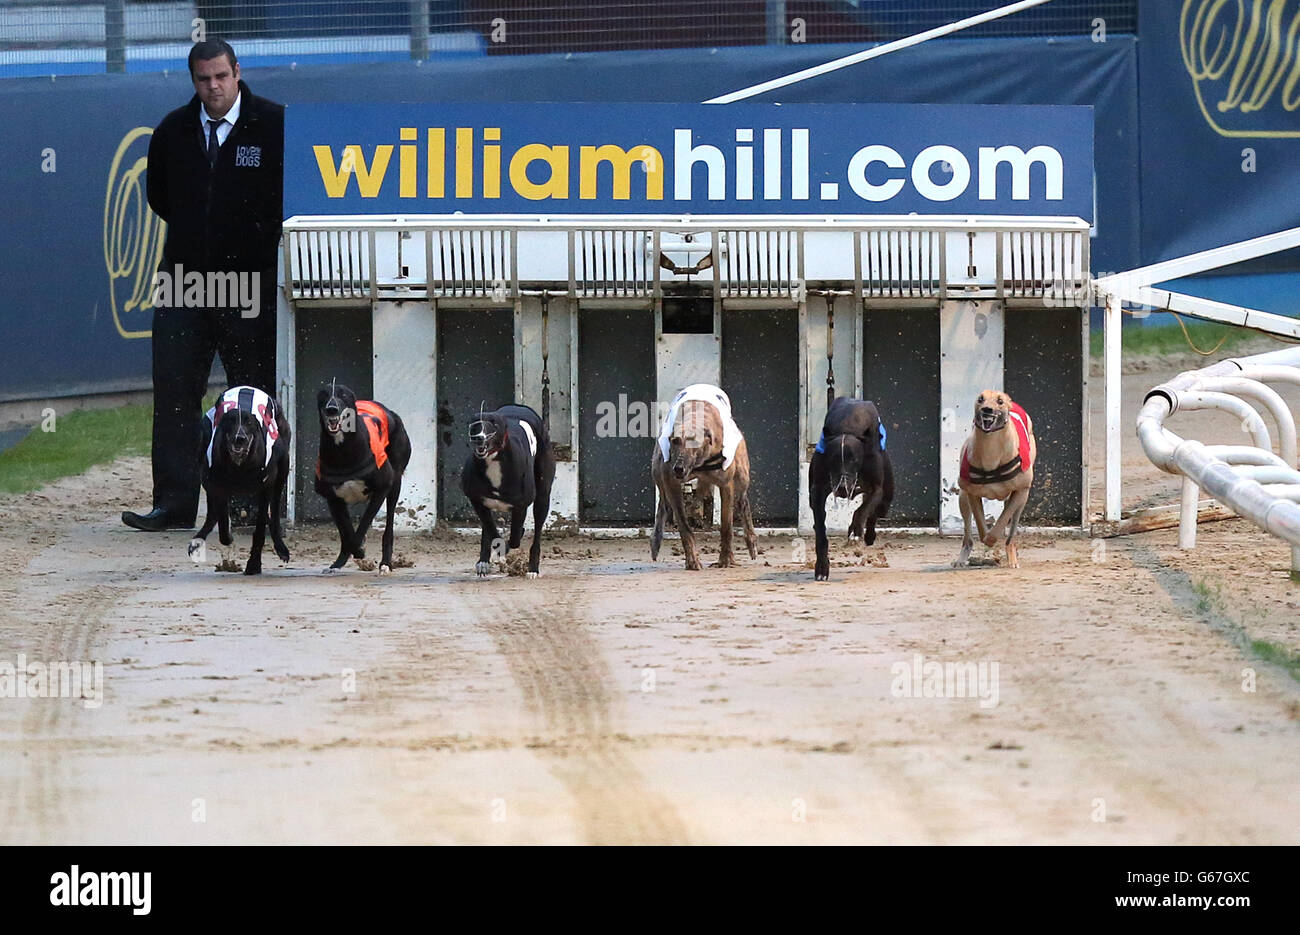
x=534, y=574
x=196, y=545
x=385, y=570
x=990, y=540
x=694, y=565
x=283, y=553
x=822, y=571
x=727, y=562
x=252, y=569
x=332, y=570
x=359, y=553
x=483, y=569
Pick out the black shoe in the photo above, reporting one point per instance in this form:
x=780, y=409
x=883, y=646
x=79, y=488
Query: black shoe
x=155, y=520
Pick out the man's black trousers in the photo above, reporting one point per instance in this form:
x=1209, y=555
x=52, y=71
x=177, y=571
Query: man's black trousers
x=184, y=342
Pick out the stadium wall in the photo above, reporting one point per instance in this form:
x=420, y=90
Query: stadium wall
x=75, y=149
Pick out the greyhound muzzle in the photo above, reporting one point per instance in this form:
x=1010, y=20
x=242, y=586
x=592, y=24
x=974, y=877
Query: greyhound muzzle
x=680, y=468
x=482, y=435
x=239, y=445
x=989, y=419
x=846, y=488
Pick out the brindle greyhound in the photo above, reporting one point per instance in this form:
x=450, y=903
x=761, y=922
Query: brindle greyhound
x=697, y=435
x=997, y=463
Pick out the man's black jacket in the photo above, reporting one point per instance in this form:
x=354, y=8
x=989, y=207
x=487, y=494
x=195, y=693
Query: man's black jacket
x=225, y=217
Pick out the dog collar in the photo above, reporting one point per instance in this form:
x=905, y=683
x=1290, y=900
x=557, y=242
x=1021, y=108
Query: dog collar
x=1003, y=472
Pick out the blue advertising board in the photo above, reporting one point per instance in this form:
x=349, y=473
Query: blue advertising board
x=1220, y=124
x=639, y=158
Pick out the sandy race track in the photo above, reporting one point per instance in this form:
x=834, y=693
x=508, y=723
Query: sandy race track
x=618, y=701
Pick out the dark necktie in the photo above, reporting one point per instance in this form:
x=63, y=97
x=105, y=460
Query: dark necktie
x=213, y=144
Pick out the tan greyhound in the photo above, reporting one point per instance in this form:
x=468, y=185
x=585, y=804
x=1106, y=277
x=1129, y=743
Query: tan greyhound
x=700, y=441
x=997, y=463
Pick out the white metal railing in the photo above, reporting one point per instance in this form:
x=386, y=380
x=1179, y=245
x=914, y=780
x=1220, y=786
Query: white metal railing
x=903, y=263
x=1251, y=480
x=1135, y=286
x=760, y=264
x=332, y=259
x=613, y=262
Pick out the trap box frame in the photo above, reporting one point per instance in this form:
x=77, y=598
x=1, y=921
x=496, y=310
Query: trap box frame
x=435, y=315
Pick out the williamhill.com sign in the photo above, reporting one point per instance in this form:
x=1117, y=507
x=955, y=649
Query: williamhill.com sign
x=687, y=159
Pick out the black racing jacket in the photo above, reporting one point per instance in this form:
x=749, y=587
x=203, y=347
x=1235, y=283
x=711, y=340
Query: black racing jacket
x=224, y=217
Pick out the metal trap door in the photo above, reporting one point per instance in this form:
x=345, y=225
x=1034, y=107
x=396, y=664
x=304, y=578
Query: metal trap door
x=1044, y=373
x=616, y=416
x=476, y=367
x=331, y=344
x=760, y=373
x=900, y=364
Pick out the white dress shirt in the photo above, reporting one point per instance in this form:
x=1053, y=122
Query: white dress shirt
x=224, y=129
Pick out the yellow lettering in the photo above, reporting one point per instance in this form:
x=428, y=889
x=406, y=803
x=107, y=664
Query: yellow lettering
x=620, y=162
x=369, y=178
x=1246, y=65
x=406, y=164
x=1274, y=72
x=491, y=164
x=464, y=162
x=556, y=186
x=491, y=171
x=437, y=173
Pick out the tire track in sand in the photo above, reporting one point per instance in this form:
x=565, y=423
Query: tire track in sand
x=38, y=791
x=565, y=683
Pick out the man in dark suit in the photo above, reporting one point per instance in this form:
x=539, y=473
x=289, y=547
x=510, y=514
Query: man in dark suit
x=215, y=175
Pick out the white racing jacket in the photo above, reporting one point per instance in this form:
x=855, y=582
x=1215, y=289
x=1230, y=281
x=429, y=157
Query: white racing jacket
x=249, y=399
x=731, y=436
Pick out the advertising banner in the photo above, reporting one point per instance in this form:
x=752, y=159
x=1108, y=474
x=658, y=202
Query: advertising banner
x=639, y=158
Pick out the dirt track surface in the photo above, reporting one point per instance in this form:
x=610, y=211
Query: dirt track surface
x=618, y=701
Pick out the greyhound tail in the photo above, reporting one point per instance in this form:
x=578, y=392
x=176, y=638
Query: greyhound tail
x=887, y=496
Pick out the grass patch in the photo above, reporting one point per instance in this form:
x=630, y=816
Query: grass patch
x=1167, y=340
x=1207, y=599
x=79, y=441
x=1210, y=602
x=1277, y=655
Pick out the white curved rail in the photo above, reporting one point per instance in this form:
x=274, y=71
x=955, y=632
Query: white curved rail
x=1251, y=480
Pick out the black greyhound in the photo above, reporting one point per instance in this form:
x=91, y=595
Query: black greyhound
x=850, y=459
x=364, y=450
x=512, y=467
x=247, y=453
